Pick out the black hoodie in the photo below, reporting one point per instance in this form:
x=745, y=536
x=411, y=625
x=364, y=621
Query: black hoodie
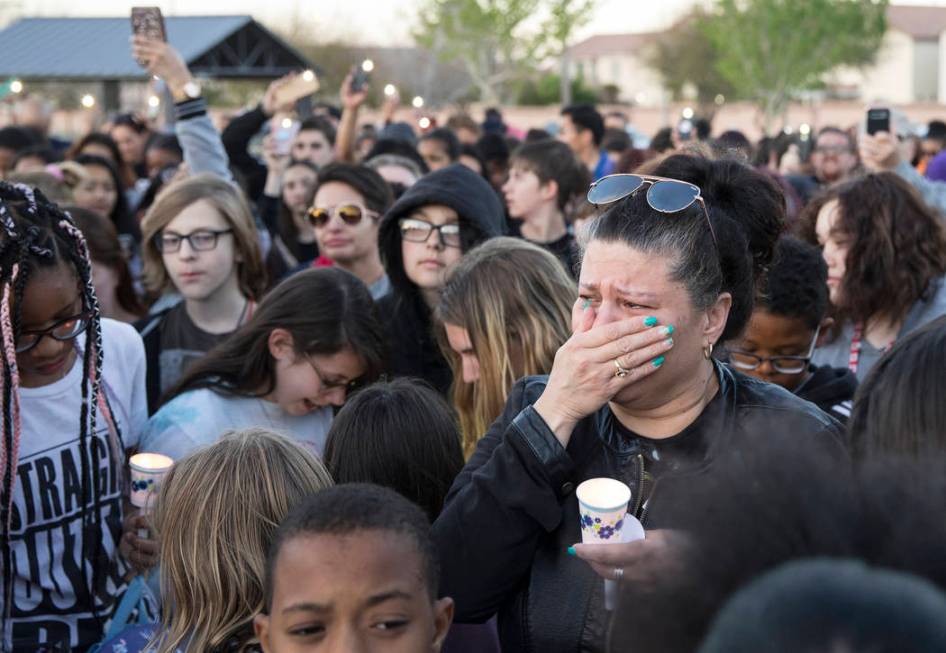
x=411, y=342
x=831, y=389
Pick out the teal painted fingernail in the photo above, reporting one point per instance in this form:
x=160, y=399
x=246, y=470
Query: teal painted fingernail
x=670, y=342
x=668, y=329
x=571, y=551
x=585, y=304
x=659, y=361
x=651, y=321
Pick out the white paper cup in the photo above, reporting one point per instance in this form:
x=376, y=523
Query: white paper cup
x=602, y=506
x=147, y=473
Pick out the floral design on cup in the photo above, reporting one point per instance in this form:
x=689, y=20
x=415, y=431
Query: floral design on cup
x=142, y=485
x=604, y=531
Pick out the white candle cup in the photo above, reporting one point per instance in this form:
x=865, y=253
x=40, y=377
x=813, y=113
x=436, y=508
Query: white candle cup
x=602, y=505
x=602, y=508
x=147, y=473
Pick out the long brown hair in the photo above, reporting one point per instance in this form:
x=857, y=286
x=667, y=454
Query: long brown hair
x=514, y=299
x=897, y=246
x=325, y=310
x=105, y=249
x=217, y=515
x=232, y=205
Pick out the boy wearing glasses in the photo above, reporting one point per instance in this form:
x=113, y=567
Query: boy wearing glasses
x=783, y=332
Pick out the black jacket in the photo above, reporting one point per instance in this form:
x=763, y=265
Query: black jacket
x=831, y=389
x=511, y=514
x=236, y=139
x=407, y=319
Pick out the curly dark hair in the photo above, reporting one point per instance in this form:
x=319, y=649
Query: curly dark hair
x=796, y=285
x=897, y=245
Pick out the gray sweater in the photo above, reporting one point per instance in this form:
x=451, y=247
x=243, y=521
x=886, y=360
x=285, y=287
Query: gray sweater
x=838, y=352
x=933, y=192
x=200, y=140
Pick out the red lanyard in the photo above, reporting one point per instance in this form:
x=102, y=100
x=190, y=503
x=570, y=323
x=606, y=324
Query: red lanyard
x=855, y=357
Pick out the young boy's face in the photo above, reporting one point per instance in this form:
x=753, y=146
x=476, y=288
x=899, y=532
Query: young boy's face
x=769, y=335
x=525, y=194
x=364, y=591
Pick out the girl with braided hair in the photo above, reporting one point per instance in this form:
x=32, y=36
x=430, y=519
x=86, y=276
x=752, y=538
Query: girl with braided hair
x=61, y=483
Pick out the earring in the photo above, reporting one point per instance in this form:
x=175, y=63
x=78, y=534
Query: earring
x=708, y=351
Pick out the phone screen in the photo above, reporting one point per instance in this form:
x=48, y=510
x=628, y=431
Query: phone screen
x=359, y=78
x=148, y=22
x=878, y=120
x=283, y=131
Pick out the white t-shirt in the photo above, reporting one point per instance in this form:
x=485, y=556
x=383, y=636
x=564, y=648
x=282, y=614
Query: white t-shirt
x=199, y=417
x=51, y=609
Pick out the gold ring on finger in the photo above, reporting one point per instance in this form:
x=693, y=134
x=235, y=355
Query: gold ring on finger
x=621, y=373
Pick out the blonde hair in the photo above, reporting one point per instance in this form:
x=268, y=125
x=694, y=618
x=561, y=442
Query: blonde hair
x=514, y=299
x=216, y=517
x=230, y=203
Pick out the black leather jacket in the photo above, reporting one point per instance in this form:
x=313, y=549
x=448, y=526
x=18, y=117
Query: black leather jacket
x=511, y=514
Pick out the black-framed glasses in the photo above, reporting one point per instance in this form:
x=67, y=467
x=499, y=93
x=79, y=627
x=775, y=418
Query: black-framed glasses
x=202, y=240
x=415, y=230
x=835, y=150
x=663, y=194
x=351, y=214
x=743, y=360
x=64, y=330
x=328, y=386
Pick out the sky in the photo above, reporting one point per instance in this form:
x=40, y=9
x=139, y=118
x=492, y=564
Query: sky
x=389, y=24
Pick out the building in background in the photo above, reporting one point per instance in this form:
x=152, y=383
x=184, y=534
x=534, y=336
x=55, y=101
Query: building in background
x=910, y=67
x=618, y=59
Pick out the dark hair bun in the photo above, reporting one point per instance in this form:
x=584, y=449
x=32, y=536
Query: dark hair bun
x=737, y=196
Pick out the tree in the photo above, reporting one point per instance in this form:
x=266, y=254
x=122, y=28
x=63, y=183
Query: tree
x=547, y=89
x=565, y=18
x=685, y=57
x=487, y=36
x=769, y=50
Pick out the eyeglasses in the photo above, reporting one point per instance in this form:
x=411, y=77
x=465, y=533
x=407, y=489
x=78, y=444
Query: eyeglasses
x=330, y=385
x=836, y=150
x=202, y=240
x=351, y=214
x=414, y=230
x=663, y=195
x=63, y=331
x=742, y=360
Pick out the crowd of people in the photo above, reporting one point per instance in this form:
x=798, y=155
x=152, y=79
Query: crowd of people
x=382, y=359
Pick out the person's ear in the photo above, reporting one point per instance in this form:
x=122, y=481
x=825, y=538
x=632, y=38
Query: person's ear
x=587, y=137
x=281, y=345
x=261, y=628
x=549, y=191
x=824, y=331
x=716, y=317
x=443, y=617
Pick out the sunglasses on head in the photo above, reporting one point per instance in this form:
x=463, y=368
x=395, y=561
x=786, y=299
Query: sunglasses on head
x=351, y=214
x=663, y=194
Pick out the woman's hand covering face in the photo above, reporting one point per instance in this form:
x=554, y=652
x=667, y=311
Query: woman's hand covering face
x=596, y=363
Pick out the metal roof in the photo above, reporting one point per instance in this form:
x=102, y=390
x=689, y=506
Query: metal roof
x=99, y=49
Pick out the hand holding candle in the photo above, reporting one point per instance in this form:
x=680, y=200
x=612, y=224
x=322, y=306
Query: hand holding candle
x=602, y=507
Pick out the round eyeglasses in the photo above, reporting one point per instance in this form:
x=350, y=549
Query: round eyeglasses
x=63, y=331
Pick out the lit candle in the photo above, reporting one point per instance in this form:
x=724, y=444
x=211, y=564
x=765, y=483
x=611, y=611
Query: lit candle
x=147, y=472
